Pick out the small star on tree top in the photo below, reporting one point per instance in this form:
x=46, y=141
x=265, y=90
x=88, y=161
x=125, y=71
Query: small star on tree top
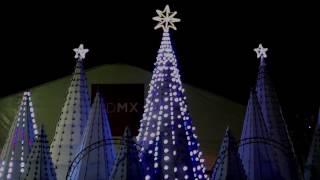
x=80, y=52
x=166, y=19
x=261, y=51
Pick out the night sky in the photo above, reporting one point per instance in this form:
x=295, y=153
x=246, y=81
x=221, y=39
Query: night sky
x=214, y=46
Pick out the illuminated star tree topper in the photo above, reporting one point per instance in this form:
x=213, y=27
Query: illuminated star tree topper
x=166, y=19
x=80, y=52
x=261, y=51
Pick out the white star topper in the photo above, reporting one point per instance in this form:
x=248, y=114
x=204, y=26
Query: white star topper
x=166, y=19
x=261, y=51
x=80, y=52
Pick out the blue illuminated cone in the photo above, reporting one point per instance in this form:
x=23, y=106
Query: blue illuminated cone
x=276, y=125
x=73, y=119
x=97, y=163
x=21, y=137
x=256, y=148
x=170, y=149
x=312, y=166
x=127, y=165
x=39, y=164
x=228, y=165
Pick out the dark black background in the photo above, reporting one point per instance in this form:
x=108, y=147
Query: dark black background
x=214, y=45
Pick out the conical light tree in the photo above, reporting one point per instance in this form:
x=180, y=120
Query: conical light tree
x=97, y=163
x=39, y=165
x=228, y=165
x=127, y=165
x=170, y=149
x=21, y=137
x=73, y=119
x=256, y=149
x=276, y=125
x=312, y=166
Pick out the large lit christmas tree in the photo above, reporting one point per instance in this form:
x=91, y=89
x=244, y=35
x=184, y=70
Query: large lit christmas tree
x=312, y=166
x=255, y=148
x=21, y=137
x=276, y=125
x=170, y=149
x=127, y=164
x=228, y=165
x=73, y=119
x=98, y=162
x=39, y=165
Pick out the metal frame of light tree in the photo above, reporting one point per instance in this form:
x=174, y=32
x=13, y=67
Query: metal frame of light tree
x=102, y=143
x=98, y=163
x=259, y=145
x=276, y=125
x=73, y=119
x=256, y=148
x=228, y=165
x=127, y=164
x=170, y=149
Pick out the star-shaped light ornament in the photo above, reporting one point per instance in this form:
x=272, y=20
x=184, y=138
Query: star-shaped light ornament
x=166, y=19
x=261, y=52
x=80, y=52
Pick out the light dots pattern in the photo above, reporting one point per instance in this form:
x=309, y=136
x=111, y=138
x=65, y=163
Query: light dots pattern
x=21, y=137
x=39, y=163
x=70, y=128
x=167, y=124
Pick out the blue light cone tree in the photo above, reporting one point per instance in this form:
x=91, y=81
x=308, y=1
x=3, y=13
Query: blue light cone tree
x=97, y=163
x=127, y=165
x=73, y=119
x=255, y=148
x=228, y=165
x=312, y=166
x=39, y=165
x=276, y=125
x=21, y=137
x=170, y=149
